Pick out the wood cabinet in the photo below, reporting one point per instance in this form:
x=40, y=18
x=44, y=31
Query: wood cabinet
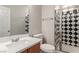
x=33, y=49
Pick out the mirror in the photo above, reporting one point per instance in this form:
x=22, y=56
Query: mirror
x=14, y=20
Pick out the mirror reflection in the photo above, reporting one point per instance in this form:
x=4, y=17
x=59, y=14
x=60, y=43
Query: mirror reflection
x=14, y=20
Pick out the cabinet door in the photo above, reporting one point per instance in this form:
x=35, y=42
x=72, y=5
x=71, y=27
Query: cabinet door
x=4, y=21
x=34, y=49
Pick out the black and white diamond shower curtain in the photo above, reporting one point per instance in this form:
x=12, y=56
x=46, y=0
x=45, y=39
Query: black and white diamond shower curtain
x=70, y=27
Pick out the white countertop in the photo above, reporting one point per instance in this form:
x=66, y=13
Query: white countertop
x=27, y=43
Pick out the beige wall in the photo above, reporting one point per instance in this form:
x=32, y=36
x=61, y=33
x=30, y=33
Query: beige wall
x=48, y=25
x=35, y=19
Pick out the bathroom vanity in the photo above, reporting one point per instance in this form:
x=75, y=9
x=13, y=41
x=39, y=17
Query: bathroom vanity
x=34, y=49
x=23, y=45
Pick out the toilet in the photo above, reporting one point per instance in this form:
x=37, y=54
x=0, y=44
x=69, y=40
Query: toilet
x=46, y=48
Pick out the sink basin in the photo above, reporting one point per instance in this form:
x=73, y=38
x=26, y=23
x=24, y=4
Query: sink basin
x=17, y=44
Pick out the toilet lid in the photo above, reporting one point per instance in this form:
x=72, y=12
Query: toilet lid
x=47, y=48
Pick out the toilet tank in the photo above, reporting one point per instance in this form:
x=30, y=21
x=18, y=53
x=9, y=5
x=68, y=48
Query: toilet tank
x=38, y=36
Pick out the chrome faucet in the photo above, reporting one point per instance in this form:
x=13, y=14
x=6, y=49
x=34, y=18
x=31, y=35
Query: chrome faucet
x=15, y=39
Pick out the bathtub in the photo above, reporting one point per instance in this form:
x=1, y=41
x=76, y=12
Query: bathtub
x=70, y=49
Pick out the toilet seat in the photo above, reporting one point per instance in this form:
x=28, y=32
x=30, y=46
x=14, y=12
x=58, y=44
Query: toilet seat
x=47, y=48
